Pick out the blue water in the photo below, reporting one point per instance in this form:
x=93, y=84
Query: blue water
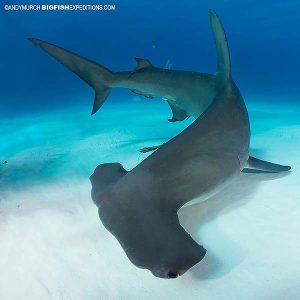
x=53, y=244
x=263, y=38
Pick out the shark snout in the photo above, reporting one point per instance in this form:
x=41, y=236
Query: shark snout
x=171, y=273
x=180, y=262
x=167, y=274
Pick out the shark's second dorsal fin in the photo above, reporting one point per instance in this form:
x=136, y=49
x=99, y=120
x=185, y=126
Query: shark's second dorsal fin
x=223, y=56
x=142, y=63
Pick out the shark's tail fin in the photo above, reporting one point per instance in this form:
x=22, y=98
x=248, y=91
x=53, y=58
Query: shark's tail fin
x=95, y=75
x=223, y=56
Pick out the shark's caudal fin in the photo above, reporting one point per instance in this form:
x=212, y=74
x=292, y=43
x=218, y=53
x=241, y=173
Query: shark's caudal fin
x=223, y=56
x=104, y=176
x=95, y=75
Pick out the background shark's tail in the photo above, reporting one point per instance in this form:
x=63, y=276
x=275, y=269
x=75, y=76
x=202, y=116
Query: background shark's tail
x=223, y=56
x=95, y=75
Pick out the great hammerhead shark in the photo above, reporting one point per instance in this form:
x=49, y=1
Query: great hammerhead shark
x=140, y=207
x=187, y=93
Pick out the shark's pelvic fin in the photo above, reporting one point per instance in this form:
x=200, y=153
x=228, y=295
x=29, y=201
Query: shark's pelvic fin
x=178, y=113
x=223, y=56
x=142, y=94
x=255, y=165
x=95, y=75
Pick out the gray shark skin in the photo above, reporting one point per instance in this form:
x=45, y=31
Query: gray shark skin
x=187, y=93
x=140, y=207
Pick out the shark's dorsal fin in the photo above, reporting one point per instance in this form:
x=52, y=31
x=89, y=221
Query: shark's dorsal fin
x=178, y=113
x=142, y=63
x=223, y=56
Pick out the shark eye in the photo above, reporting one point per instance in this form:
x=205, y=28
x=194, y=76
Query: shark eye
x=172, y=275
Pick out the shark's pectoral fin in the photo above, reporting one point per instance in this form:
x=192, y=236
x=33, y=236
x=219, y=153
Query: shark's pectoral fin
x=178, y=113
x=255, y=165
x=104, y=176
x=142, y=94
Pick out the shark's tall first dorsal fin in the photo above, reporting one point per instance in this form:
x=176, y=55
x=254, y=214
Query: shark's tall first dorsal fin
x=223, y=56
x=142, y=63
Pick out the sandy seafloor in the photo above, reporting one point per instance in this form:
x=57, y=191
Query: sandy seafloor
x=53, y=246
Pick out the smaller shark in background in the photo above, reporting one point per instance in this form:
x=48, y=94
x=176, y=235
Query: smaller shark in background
x=187, y=93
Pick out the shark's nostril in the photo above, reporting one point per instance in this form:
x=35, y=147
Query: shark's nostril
x=172, y=275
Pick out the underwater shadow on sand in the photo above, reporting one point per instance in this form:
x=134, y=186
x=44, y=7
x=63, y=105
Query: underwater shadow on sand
x=197, y=216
